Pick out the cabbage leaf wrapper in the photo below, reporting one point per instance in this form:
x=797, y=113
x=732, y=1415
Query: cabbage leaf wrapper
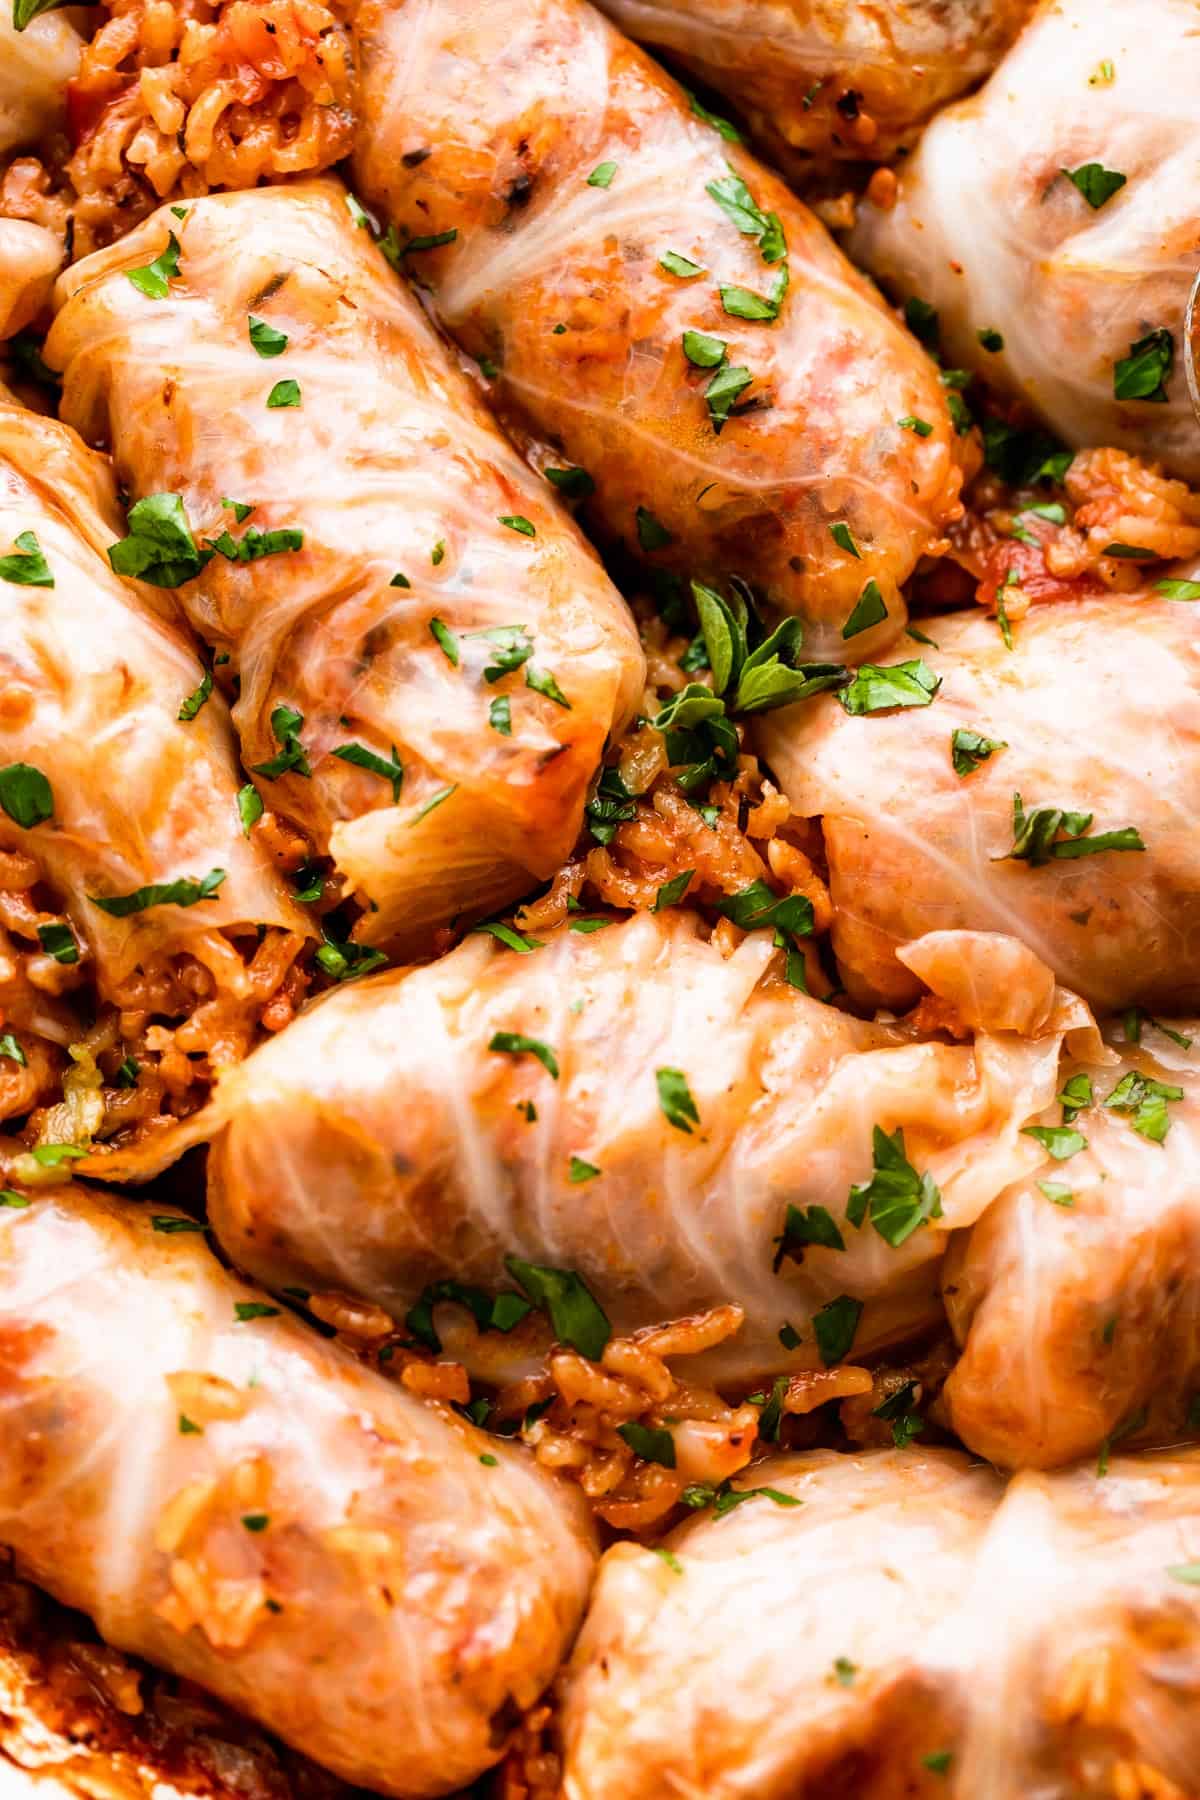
x=631, y=1106
x=899, y=1623
x=431, y=659
x=1077, y=1297
x=35, y=66
x=657, y=309
x=1056, y=211
x=102, y=783
x=1094, y=711
x=238, y=1500
x=816, y=79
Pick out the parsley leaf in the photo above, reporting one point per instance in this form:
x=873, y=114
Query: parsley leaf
x=286, y=723
x=682, y=266
x=250, y=807
x=542, y=682
x=653, y=1443
x=362, y=758
x=1057, y=1192
x=651, y=533
x=183, y=892
x=191, y=706
x=283, y=395
x=672, y=892
x=835, y=1328
x=516, y=522
x=842, y=535
x=579, y=1171
x=1178, y=590
x=1144, y=373
x=990, y=339
x=722, y=392
x=729, y=132
x=500, y=715
x=26, y=795
x=575, y=483
x=577, y=1318
x=1036, y=836
x=922, y=320
x=758, y=906
x=876, y=688
x=1059, y=1141
x=803, y=1226
x=514, y=1043
x=153, y=279
x=58, y=941
x=737, y=203
x=703, y=351
x=870, y=609
x=968, y=750
x=26, y=567
x=344, y=961
x=896, y=1198
x=501, y=1312
x=267, y=340
x=675, y=1099
x=1096, y=183
x=160, y=548
x=1147, y=1101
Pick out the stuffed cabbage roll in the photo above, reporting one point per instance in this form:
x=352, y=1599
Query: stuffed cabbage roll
x=783, y=1649
x=897, y=1625
x=430, y=659
x=1077, y=1296
x=677, y=1126
x=35, y=66
x=123, y=857
x=241, y=1502
x=816, y=78
x=1043, y=791
x=621, y=271
x=1061, y=267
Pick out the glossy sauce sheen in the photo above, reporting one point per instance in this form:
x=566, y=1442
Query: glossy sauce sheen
x=487, y=120
x=388, y=456
x=392, y=1604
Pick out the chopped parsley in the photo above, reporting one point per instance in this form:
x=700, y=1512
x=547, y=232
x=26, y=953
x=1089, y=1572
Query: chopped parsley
x=675, y=1099
x=672, y=892
x=722, y=392
x=835, y=1328
x=26, y=795
x=1146, y=1101
x=196, y=699
x=842, y=535
x=183, y=892
x=1057, y=1192
x=969, y=750
x=580, y=1171
x=499, y=1312
x=743, y=303
x=154, y=278
x=1058, y=1141
x=682, y=266
x=1125, y=1429
x=737, y=203
x=514, y=1043
x=446, y=641
x=500, y=715
x=870, y=609
x=990, y=339
x=602, y=175
x=878, y=689
x=577, y=1318
x=575, y=483
x=58, y=941
x=245, y=1310
x=542, y=682
x=651, y=533
x=255, y=544
x=26, y=566
x=516, y=522
x=1178, y=590
x=344, y=961
x=159, y=548
x=897, y=1199
x=900, y=1413
x=267, y=340
x=923, y=321
x=1096, y=183
x=703, y=351
x=844, y=1671
x=920, y=427
x=724, y=1499
x=1144, y=373
x=11, y=1051
x=504, y=934
x=391, y=769
x=804, y=1226
x=250, y=807
x=292, y=758
x=729, y=132
x=1036, y=836
x=653, y=1443
x=283, y=395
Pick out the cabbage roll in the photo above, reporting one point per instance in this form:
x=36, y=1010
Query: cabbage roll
x=236, y=1499
x=1077, y=1296
x=1043, y=791
x=1052, y=222
x=621, y=272
x=35, y=66
x=818, y=78
x=118, y=780
x=430, y=659
x=680, y=1128
x=897, y=1625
